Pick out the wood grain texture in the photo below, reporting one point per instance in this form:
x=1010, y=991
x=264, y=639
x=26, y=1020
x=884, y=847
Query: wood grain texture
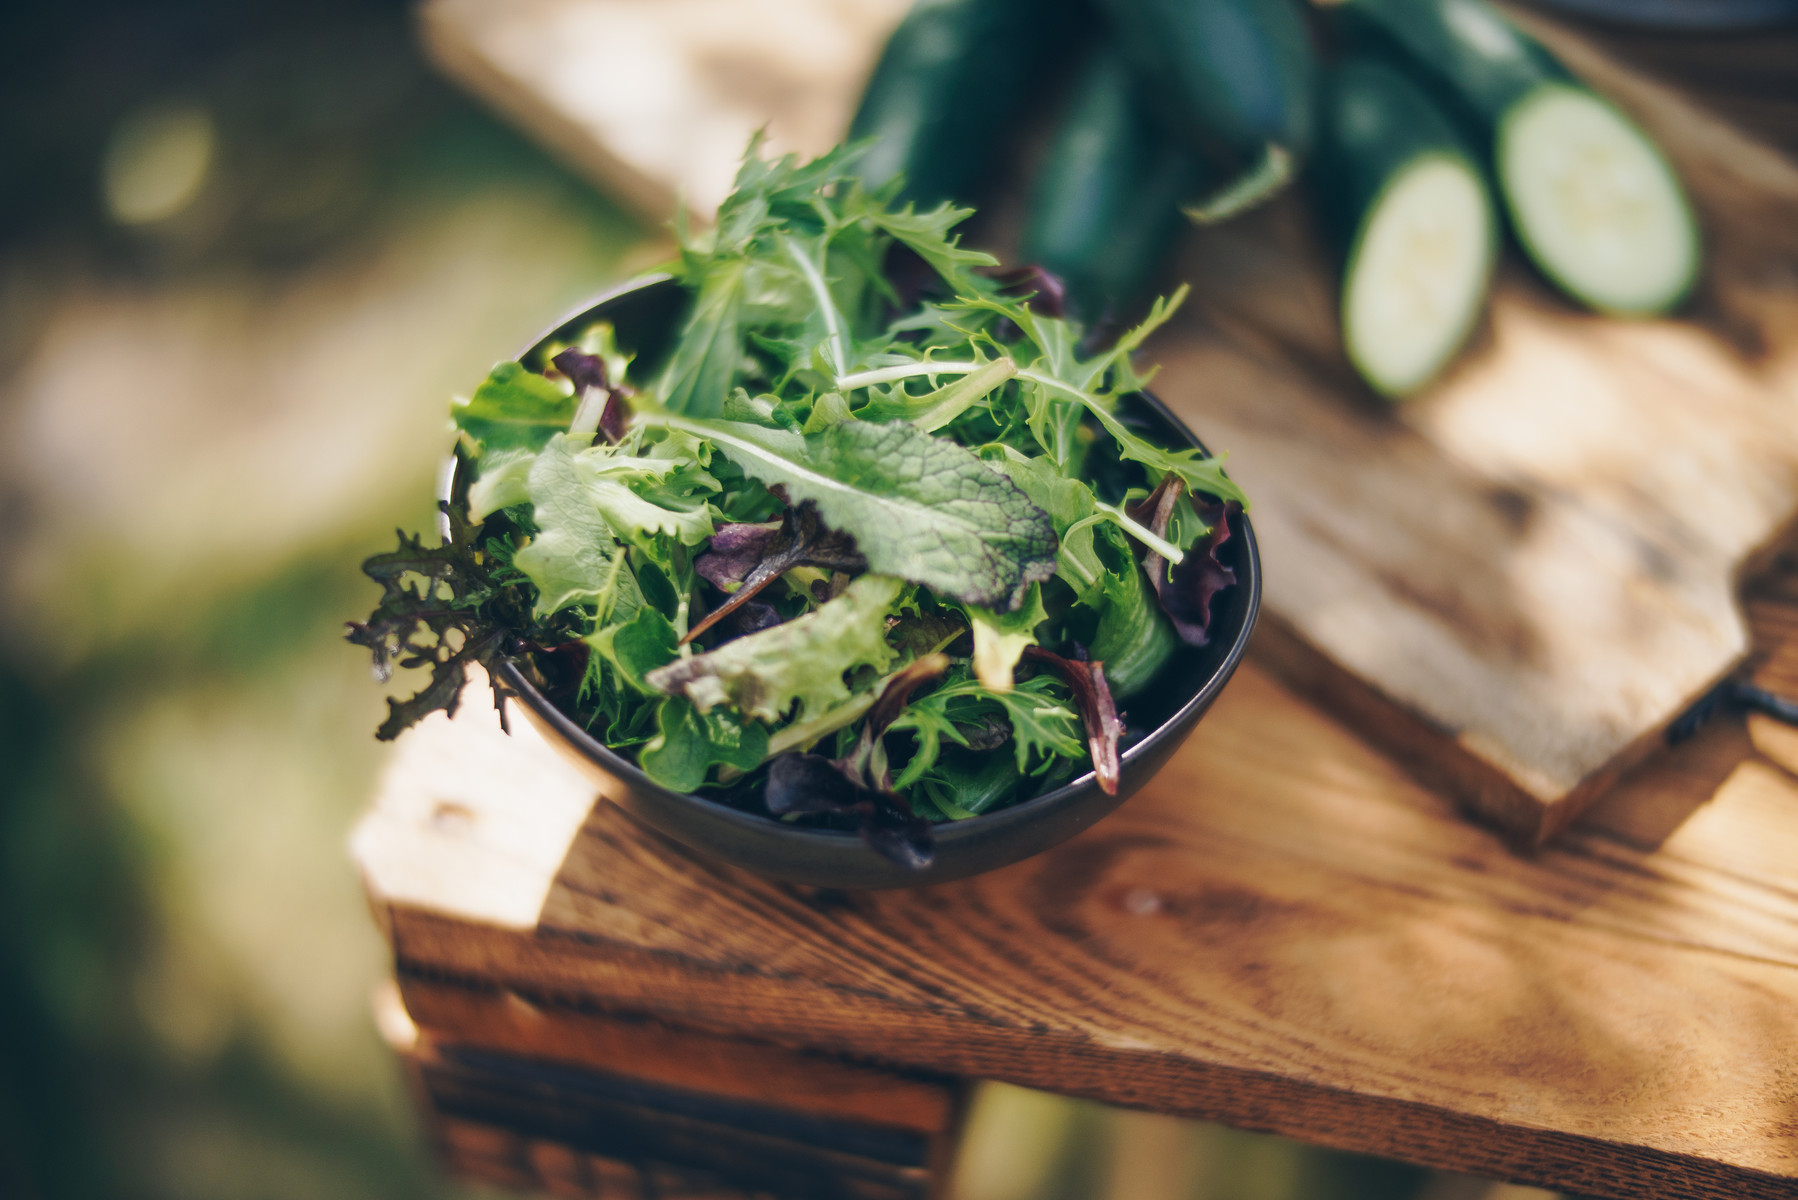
x=528, y=1123
x=1513, y=583
x=1283, y=932
x=505, y=1022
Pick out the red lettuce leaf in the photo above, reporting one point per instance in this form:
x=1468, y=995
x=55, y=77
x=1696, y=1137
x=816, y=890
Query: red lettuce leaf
x=859, y=783
x=589, y=371
x=1186, y=591
x=1092, y=696
x=754, y=556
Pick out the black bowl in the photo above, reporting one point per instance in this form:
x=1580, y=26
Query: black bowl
x=644, y=315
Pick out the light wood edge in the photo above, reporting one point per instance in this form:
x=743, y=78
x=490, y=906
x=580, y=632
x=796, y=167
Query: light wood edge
x=1435, y=756
x=565, y=137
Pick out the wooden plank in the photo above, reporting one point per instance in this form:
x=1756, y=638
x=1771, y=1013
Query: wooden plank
x=1283, y=933
x=437, y=837
x=1514, y=583
x=525, y=1123
x=655, y=99
x=503, y=1021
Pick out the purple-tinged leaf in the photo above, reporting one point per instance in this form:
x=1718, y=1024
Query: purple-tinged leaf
x=1092, y=696
x=859, y=782
x=735, y=551
x=1043, y=291
x=810, y=783
x=800, y=540
x=900, y=835
x=1186, y=591
x=588, y=373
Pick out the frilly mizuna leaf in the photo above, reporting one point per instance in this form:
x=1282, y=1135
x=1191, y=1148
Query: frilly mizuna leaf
x=919, y=507
x=804, y=659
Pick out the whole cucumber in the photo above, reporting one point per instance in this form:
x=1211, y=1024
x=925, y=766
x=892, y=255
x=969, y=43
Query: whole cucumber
x=1231, y=79
x=948, y=85
x=1465, y=48
x=1104, y=207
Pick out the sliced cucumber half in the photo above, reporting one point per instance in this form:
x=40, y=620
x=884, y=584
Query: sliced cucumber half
x=1594, y=203
x=1417, y=271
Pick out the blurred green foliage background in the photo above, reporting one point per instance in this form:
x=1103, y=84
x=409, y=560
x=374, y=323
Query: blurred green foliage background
x=247, y=251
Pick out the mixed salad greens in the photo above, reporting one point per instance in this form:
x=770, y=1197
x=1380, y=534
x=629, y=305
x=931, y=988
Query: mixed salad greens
x=874, y=546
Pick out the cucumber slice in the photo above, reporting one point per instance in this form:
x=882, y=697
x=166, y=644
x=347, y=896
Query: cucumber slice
x=1418, y=272
x=1594, y=203
x=1416, y=218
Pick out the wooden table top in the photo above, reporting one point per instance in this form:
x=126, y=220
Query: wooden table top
x=1283, y=932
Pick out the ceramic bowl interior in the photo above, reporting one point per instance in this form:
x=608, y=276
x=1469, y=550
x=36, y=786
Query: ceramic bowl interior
x=644, y=315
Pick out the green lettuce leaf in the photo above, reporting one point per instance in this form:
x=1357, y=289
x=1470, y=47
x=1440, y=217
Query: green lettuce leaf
x=513, y=409
x=637, y=646
x=574, y=559
x=582, y=508
x=504, y=481
x=919, y=507
x=804, y=660
x=689, y=743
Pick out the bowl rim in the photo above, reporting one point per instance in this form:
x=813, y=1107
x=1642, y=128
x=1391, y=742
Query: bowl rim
x=616, y=765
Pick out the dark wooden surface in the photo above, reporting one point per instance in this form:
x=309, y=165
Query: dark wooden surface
x=1284, y=932
x=579, y=1104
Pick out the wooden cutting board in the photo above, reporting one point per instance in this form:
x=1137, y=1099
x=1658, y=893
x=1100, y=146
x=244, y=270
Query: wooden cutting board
x=1514, y=582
